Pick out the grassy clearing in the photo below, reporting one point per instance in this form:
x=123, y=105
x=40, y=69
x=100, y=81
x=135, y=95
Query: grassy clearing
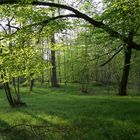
x=66, y=114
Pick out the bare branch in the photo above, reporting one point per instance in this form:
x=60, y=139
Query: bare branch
x=43, y=23
x=103, y=54
x=111, y=57
x=13, y=26
x=79, y=3
x=3, y=28
x=10, y=20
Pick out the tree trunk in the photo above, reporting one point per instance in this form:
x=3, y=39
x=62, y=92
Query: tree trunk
x=126, y=69
x=8, y=94
x=42, y=78
x=18, y=84
x=53, y=76
x=31, y=84
x=139, y=81
x=14, y=85
x=59, y=67
x=7, y=89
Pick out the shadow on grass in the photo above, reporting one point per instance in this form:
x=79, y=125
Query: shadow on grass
x=72, y=117
x=25, y=131
x=8, y=132
x=89, y=118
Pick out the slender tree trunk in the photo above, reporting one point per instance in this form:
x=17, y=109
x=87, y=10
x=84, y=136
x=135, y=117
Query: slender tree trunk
x=16, y=88
x=18, y=94
x=96, y=71
x=54, y=82
x=8, y=94
x=59, y=67
x=65, y=79
x=42, y=73
x=139, y=81
x=42, y=78
x=7, y=89
x=31, y=84
x=12, y=102
x=14, y=85
x=125, y=75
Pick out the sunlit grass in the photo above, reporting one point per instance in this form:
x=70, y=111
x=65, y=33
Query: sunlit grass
x=68, y=114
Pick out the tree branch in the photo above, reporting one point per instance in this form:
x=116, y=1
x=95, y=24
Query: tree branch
x=111, y=57
x=98, y=57
x=13, y=26
x=82, y=16
x=43, y=23
x=3, y=28
x=90, y=20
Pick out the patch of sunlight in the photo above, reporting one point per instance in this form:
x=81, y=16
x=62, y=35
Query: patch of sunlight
x=53, y=119
x=18, y=118
x=122, y=123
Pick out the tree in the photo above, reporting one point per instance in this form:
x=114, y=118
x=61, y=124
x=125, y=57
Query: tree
x=126, y=22
x=19, y=58
x=114, y=31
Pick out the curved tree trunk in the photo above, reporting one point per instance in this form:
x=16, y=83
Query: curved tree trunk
x=125, y=75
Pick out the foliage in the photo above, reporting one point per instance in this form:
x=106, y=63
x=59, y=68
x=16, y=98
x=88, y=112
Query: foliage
x=122, y=15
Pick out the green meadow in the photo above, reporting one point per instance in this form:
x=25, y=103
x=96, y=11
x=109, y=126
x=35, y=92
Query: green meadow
x=67, y=114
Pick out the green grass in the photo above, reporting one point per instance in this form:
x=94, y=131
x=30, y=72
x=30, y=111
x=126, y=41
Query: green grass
x=66, y=114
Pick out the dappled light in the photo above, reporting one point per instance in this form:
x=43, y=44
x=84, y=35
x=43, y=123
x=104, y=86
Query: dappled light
x=69, y=70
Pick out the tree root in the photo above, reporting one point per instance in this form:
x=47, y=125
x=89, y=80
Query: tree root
x=34, y=127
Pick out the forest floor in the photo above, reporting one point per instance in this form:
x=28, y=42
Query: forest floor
x=67, y=114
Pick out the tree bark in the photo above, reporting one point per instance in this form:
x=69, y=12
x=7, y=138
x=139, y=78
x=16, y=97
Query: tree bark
x=139, y=81
x=31, y=84
x=59, y=67
x=126, y=69
x=18, y=84
x=8, y=94
x=54, y=82
x=14, y=84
